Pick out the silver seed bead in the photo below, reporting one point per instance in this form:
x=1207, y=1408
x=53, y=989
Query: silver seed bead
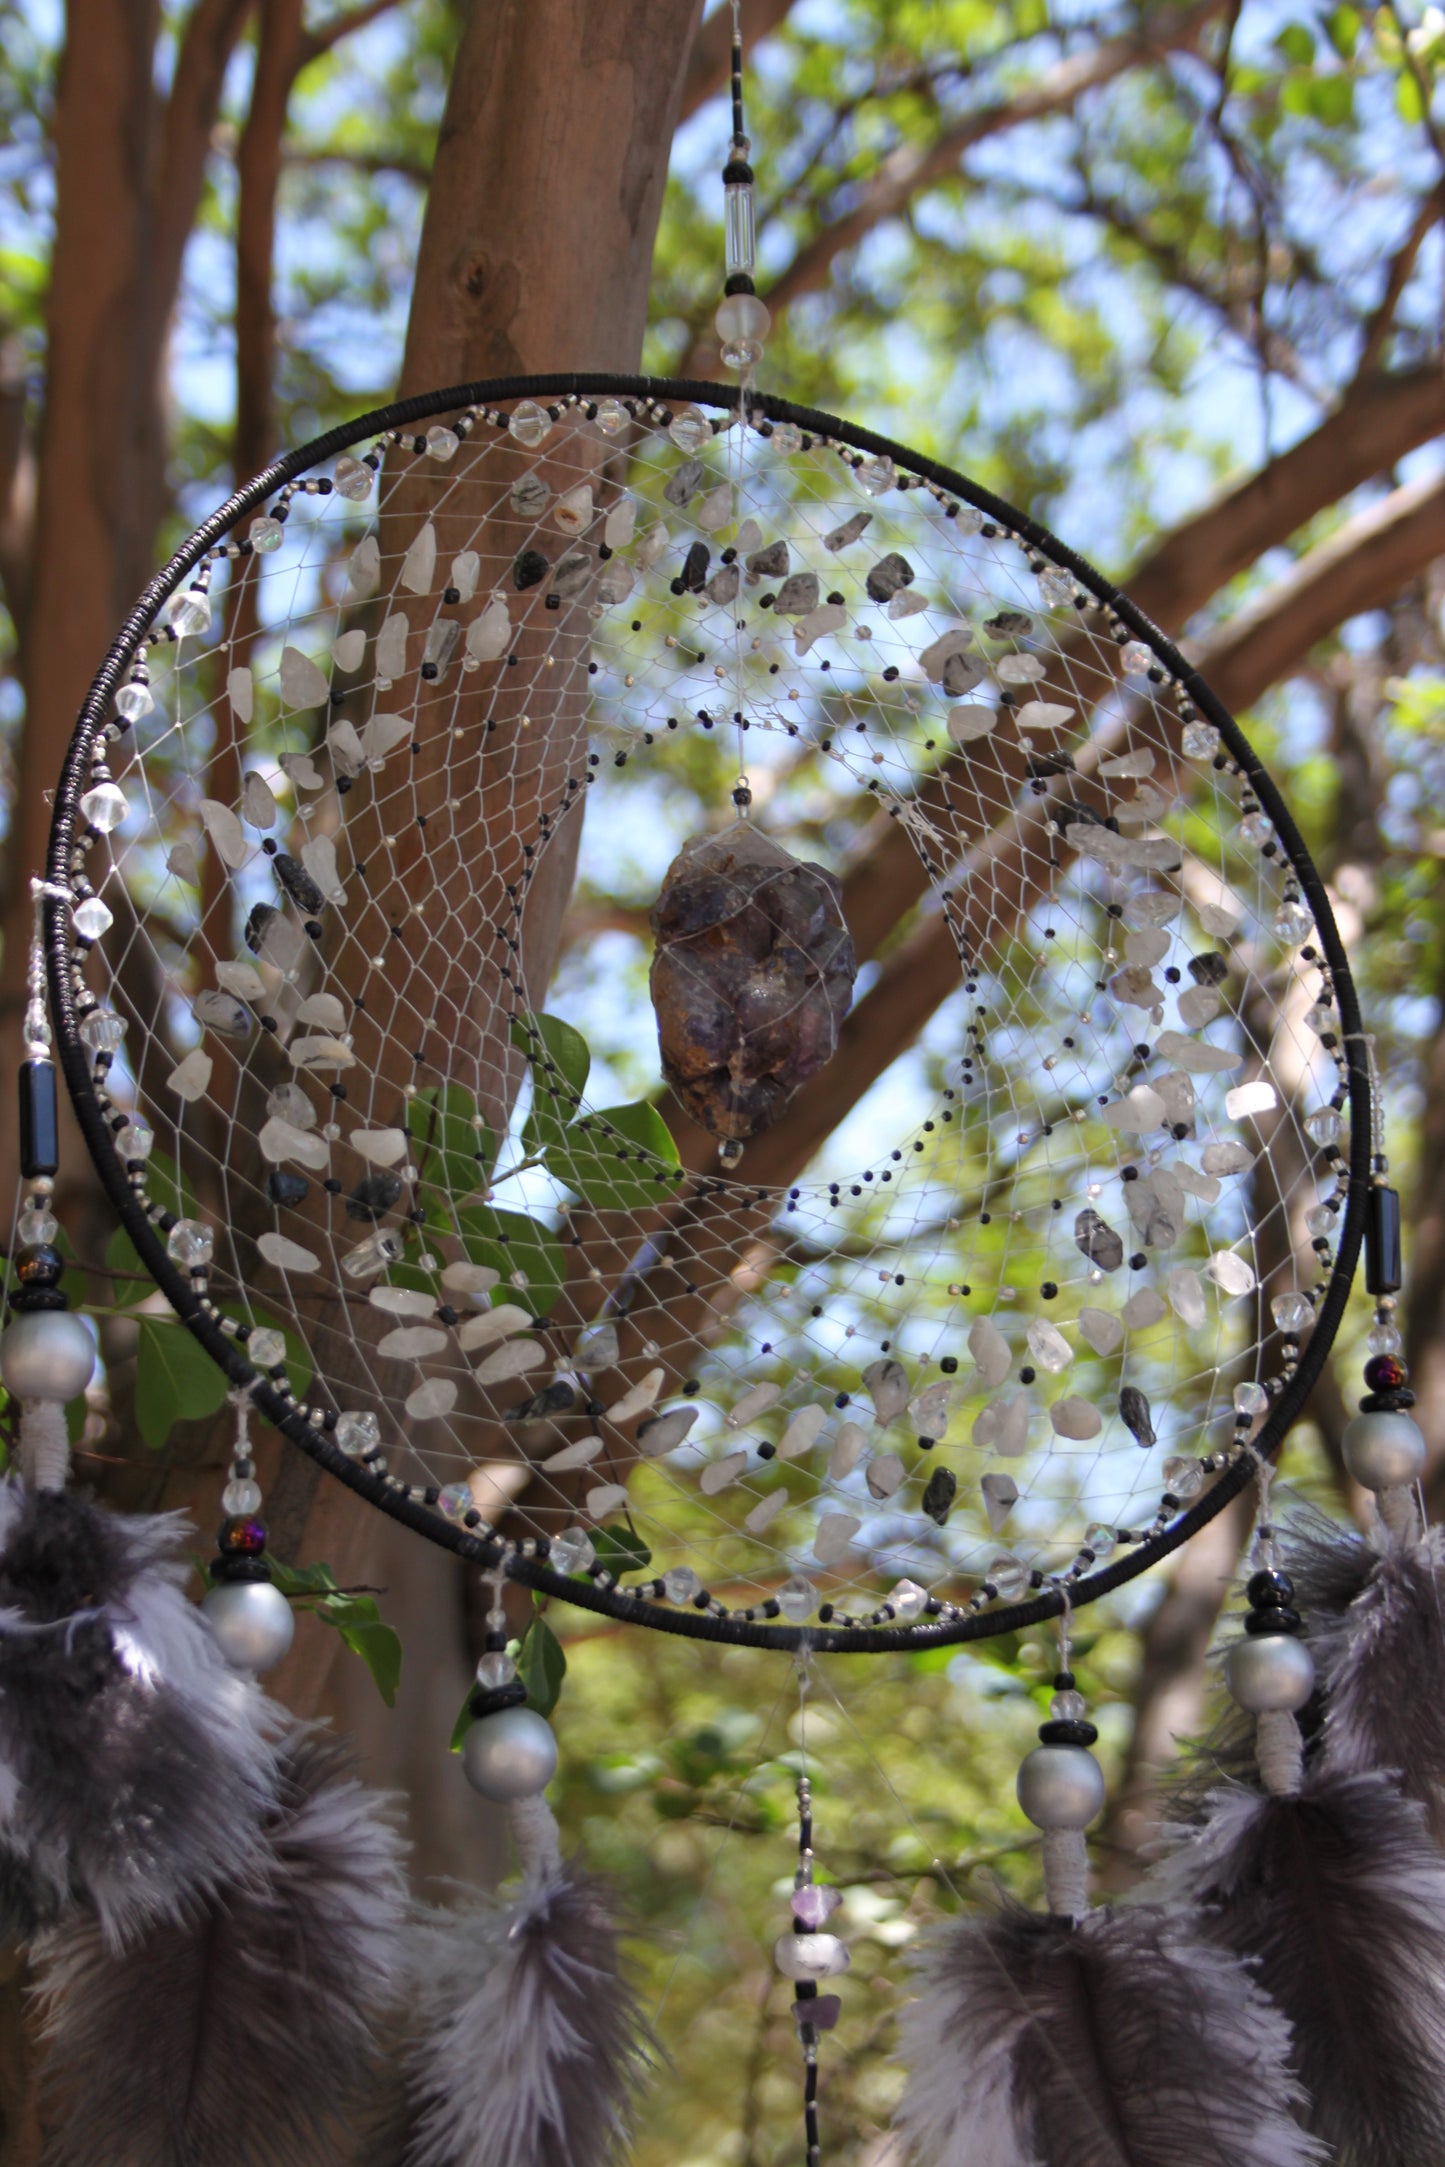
x=46, y=1355
x=1267, y=1672
x=1060, y=1786
x=253, y=1623
x=1384, y=1450
x=510, y=1755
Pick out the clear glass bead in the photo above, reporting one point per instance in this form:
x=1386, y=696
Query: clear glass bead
x=1381, y=1339
x=353, y=478
x=681, y=1584
x=91, y=919
x=786, y=438
x=495, y=1668
x=37, y=1225
x=797, y=1599
x=908, y=1600
x=1100, y=1540
x=611, y=416
x=1321, y=1018
x=265, y=535
x=133, y=700
x=1137, y=658
x=1056, y=586
x=1255, y=829
x=1009, y=1575
x=241, y=1497
x=689, y=430
x=1293, y=923
x=877, y=476
x=102, y=1030
x=191, y=1242
x=739, y=228
x=1291, y=1312
x=358, y=1434
x=266, y=1348
x=1200, y=740
x=1323, y=1125
x=530, y=424
x=136, y=1140
x=1068, y=1707
x=1250, y=1399
x=105, y=806
x=1320, y=1220
x=572, y=1550
x=455, y=1500
x=189, y=613
x=1183, y=1477
x=372, y=1256
x=441, y=443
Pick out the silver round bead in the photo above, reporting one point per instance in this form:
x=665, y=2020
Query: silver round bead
x=509, y=1755
x=253, y=1623
x=1384, y=1450
x=46, y=1355
x=1270, y=1671
x=1060, y=1786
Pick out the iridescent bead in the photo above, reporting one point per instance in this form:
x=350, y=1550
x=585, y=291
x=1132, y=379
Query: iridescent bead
x=358, y=1435
x=797, y=1599
x=529, y=424
x=266, y=534
x=572, y=1551
x=455, y=1500
x=1385, y=1373
x=1200, y=740
x=1291, y=1312
x=189, y=613
x=102, y=1030
x=92, y=918
x=191, y=1242
x=353, y=478
x=242, y=1535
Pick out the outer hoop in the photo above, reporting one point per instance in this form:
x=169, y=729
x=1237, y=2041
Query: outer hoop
x=313, y=1439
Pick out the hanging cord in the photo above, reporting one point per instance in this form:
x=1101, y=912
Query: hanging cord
x=532, y=1821
x=1065, y=1850
x=1278, y=1745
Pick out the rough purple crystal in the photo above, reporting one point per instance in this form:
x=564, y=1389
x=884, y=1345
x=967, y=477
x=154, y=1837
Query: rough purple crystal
x=814, y=1905
x=822, y=2011
x=752, y=976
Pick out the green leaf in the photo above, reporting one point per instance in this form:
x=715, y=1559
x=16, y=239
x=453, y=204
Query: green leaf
x=621, y=1550
x=1342, y=27
x=1332, y=100
x=463, y=1723
x=1297, y=43
x=454, y=1147
x=167, y=1186
x=1408, y=102
x=510, y=1243
x=542, y=1666
x=621, y=1158
x=359, y=1622
x=565, y=1049
x=303, y=1580
x=121, y=1257
x=175, y=1380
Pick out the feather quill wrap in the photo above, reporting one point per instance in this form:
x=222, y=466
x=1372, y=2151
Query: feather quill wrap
x=1120, y=2039
x=135, y=1764
x=1336, y=1896
x=240, y=2033
x=528, y=2042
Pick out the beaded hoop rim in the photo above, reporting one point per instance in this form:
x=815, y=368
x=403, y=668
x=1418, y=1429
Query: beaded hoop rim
x=525, y=1565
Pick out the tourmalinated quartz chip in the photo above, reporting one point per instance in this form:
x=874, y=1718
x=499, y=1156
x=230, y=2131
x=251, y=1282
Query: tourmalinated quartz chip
x=751, y=979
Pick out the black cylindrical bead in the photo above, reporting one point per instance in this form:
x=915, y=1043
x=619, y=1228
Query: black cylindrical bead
x=39, y=1120
x=1383, y=1267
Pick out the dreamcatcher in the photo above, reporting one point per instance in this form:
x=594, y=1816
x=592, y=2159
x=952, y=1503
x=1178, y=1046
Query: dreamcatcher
x=704, y=1355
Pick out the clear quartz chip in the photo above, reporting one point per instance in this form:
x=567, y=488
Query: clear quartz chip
x=105, y=807
x=372, y=1256
x=358, y=1434
x=908, y=1600
x=191, y=1242
x=572, y=1551
x=797, y=1599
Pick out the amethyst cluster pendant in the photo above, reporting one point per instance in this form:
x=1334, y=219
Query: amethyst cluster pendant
x=751, y=979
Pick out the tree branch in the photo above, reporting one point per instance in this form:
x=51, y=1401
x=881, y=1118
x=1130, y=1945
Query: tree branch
x=912, y=167
x=329, y=34
x=207, y=43
x=1402, y=264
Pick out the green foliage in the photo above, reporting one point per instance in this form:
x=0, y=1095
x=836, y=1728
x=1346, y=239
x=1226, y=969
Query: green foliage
x=619, y=1158
x=355, y=1617
x=527, y=1256
x=454, y=1147
x=175, y=1381
x=541, y=1666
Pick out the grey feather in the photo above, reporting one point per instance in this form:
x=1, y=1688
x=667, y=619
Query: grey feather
x=528, y=2043
x=239, y=2034
x=1338, y=1898
x=135, y=1764
x=1375, y=1612
x=1122, y=2039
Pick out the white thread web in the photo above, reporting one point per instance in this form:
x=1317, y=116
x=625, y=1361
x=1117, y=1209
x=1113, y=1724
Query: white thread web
x=1034, y=908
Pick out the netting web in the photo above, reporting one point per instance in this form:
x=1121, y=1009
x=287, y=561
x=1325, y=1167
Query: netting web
x=910, y=1294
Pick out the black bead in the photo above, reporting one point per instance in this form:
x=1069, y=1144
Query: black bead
x=39, y=1120
x=939, y=1495
x=529, y=568
x=1067, y=1733
x=240, y=1568
x=1268, y=1588
x=1383, y=1267
x=1283, y=1620
x=373, y=1196
x=40, y=1266
x=486, y=1702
